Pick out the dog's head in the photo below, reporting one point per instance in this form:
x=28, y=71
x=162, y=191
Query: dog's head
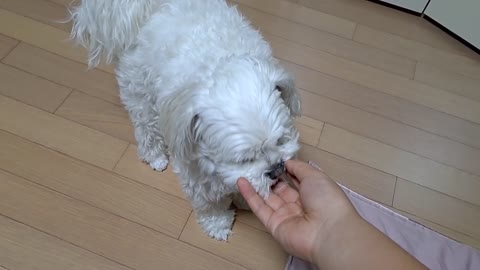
x=241, y=124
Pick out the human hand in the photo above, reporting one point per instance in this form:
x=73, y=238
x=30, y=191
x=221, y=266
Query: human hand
x=300, y=220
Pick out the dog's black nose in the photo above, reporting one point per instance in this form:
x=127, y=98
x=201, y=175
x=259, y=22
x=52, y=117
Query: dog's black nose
x=276, y=170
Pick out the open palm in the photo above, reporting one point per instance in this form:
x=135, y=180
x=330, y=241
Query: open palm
x=296, y=219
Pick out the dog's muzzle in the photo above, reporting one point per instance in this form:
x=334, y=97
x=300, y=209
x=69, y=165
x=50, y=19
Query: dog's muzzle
x=276, y=170
x=279, y=172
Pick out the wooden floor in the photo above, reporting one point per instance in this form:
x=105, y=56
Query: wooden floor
x=392, y=110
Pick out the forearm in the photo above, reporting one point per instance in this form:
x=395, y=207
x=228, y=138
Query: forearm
x=355, y=244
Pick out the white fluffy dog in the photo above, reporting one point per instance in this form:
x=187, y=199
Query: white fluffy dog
x=201, y=88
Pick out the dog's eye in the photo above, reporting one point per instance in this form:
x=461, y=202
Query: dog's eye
x=248, y=160
x=282, y=141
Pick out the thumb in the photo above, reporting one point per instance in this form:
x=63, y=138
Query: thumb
x=301, y=170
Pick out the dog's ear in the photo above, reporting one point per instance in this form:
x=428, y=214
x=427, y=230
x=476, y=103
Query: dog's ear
x=181, y=125
x=290, y=95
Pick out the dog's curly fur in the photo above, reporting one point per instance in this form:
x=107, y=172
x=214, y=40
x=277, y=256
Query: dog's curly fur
x=202, y=88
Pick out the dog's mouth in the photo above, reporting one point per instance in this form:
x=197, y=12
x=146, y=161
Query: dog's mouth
x=286, y=178
x=276, y=170
x=274, y=182
x=278, y=173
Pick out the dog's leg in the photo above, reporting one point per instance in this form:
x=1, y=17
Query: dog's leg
x=152, y=148
x=215, y=218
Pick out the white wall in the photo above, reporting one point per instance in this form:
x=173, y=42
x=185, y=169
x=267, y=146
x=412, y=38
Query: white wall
x=415, y=5
x=459, y=16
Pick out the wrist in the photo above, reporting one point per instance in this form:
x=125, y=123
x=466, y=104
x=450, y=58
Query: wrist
x=335, y=237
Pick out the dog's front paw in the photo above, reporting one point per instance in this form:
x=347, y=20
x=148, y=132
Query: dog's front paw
x=159, y=164
x=218, y=225
x=220, y=234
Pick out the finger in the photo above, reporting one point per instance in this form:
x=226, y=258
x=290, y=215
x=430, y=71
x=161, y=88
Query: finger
x=290, y=180
x=284, y=191
x=301, y=170
x=274, y=201
x=258, y=206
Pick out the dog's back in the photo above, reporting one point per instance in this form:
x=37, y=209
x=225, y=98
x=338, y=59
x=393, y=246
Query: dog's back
x=109, y=27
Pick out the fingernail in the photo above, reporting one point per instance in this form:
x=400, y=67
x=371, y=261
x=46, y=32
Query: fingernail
x=242, y=179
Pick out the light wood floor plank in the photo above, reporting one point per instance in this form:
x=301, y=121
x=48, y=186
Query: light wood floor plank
x=58, y=69
x=418, y=51
x=132, y=167
x=369, y=182
x=379, y=80
x=43, y=36
x=98, y=114
x=65, y=3
x=445, y=79
x=22, y=247
x=386, y=105
x=310, y=122
x=299, y=14
x=403, y=164
x=30, y=89
x=98, y=231
x=40, y=10
x=248, y=218
x=6, y=45
x=95, y=186
x=389, y=20
x=60, y=134
x=439, y=208
x=330, y=43
x=452, y=234
x=265, y=254
x=308, y=135
x=392, y=133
